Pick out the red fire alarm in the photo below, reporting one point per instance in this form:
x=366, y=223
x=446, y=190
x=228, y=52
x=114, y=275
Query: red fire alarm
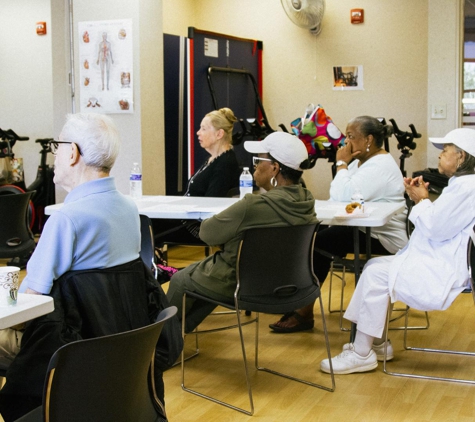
x=41, y=28
x=357, y=15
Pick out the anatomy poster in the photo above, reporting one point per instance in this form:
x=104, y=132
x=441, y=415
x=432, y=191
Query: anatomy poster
x=105, y=66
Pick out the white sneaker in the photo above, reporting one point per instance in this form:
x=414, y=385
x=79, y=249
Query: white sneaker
x=348, y=362
x=379, y=350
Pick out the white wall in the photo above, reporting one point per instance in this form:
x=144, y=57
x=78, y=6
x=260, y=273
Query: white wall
x=391, y=45
x=178, y=15
x=26, y=81
x=445, y=68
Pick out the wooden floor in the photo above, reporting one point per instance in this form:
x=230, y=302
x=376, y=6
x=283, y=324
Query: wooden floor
x=372, y=396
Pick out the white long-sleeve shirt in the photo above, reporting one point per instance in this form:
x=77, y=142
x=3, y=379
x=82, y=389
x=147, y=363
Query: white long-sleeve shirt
x=432, y=269
x=378, y=180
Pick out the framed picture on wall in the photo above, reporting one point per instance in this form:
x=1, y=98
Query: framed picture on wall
x=347, y=78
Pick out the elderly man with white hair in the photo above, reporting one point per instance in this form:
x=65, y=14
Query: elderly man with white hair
x=96, y=229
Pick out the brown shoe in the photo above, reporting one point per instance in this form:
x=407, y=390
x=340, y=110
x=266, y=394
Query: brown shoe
x=302, y=324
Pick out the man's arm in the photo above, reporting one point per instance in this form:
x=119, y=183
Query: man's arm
x=32, y=292
x=53, y=255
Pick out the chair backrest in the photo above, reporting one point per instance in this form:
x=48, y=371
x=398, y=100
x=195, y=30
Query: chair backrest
x=105, y=378
x=147, y=249
x=15, y=235
x=275, y=269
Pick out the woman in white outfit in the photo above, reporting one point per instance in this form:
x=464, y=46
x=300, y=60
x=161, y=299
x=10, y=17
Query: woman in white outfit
x=427, y=274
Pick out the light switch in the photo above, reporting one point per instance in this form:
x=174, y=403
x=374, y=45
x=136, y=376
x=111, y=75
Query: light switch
x=438, y=111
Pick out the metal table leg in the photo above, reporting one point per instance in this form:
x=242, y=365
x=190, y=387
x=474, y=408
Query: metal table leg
x=356, y=248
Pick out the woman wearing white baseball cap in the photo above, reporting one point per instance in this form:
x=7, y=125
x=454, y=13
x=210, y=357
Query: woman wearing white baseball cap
x=430, y=272
x=278, y=169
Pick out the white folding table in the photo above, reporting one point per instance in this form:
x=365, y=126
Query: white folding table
x=28, y=307
x=328, y=212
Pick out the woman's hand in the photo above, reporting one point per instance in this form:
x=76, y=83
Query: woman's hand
x=346, y=154
x=416, y=188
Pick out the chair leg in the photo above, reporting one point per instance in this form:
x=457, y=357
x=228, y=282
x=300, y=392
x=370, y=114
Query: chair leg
x=197, y=348
x=165, y=251
x=405, y=312
x=420, y=349
x=197, y=331
x=246, y=371
x=327, y=344
x=343, y=284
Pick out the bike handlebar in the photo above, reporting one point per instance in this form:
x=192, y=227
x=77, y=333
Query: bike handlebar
x=405, y=139
x=44, y=141
x=12, y=136
x=414, y=131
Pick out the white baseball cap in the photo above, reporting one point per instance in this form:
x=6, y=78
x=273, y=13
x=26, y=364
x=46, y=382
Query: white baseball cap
x=287, y=149
x=463, y=138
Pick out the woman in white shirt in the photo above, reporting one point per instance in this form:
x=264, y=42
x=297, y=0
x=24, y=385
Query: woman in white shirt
x=431, y=270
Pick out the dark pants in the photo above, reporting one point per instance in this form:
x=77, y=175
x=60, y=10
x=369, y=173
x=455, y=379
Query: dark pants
x=196, y=310
x=338, y=240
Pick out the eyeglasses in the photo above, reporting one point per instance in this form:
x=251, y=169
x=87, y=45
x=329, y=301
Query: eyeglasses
x=256, y=160
x=55, y=145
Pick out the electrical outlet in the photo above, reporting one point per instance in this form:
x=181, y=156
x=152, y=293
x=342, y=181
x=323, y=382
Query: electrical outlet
x=438, y=111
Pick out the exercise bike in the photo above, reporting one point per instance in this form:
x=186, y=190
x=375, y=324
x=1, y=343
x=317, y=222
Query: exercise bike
x=42, y=187
x=405, y=143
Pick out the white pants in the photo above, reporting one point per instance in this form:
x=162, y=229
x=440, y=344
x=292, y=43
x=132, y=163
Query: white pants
x=369, y=305
x=10, y=340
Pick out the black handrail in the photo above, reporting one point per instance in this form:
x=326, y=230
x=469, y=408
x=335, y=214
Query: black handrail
x=267, y=128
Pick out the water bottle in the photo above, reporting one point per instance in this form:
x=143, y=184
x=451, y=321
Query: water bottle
x=358, y=197
x=136, y=182
x=245, y=182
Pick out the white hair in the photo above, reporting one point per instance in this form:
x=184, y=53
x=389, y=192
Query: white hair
x=96, y=136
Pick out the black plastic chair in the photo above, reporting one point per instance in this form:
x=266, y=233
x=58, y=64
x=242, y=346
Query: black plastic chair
x=16, y=238
x=276, y=279
x=471, y=266
x=104, y=379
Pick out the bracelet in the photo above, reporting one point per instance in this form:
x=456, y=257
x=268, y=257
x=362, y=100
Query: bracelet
x=420, y=200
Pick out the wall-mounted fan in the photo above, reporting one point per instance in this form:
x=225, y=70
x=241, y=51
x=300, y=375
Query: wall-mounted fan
x=305, y=13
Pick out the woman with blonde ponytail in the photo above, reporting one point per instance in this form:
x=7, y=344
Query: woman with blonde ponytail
x=215, y=178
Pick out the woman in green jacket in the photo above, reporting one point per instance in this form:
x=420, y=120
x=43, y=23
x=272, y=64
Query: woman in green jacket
x=280, y=160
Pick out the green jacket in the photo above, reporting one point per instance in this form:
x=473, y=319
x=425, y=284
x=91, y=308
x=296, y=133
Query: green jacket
x=282, y=206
